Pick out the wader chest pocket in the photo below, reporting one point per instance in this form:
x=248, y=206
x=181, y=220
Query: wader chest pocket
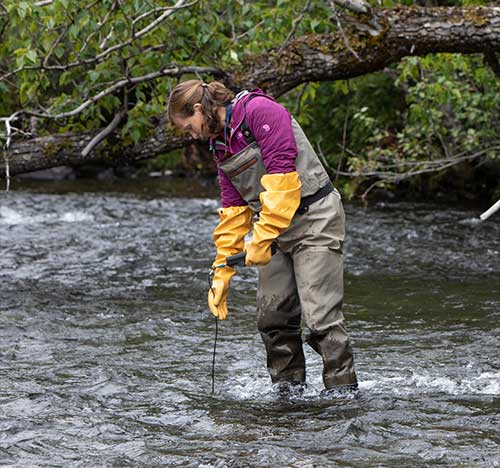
x=243, y=167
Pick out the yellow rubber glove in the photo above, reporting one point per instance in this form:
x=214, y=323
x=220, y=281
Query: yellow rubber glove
x=235, y=222
x=217, y=295
x=280, y=200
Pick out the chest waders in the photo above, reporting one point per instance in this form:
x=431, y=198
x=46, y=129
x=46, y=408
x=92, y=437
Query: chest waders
x=303, y=283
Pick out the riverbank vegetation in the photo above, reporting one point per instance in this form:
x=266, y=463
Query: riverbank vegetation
x=395, y=96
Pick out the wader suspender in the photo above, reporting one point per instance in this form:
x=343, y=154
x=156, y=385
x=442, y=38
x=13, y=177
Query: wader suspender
x=247, y=133
x=305, y=201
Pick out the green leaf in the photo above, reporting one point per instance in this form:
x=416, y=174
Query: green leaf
x=20, y=61
x=27, y=91
x=234, y=55
x=31, y=55
x=65, y=78
x=23, y=9
x=74, y=31
x=135, y=134
x=94, y=75
x=343, y=85
x=46, y=43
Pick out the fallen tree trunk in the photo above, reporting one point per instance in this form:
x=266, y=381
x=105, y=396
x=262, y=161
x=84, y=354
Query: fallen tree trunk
x=67, y=149
x=364, y=45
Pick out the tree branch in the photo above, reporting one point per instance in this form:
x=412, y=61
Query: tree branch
x=5, y=149
x=296, y=22
x=492, y=209
x=104, y=133
x=341, y=29
x=436, y=165
x=402, y=32
x=99, y=57
x=313, y=57
x=100, y=26
x=172, y=71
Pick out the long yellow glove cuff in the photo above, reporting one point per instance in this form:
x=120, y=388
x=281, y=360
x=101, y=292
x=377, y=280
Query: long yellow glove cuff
x=235, y=222
x=280, y=200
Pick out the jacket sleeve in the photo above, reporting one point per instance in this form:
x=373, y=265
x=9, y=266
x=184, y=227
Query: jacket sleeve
x=271, y=125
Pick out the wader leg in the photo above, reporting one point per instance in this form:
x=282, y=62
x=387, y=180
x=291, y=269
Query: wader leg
x=278, y=320
x=319, y=276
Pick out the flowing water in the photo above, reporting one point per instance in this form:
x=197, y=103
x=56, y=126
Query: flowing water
x=106, y=340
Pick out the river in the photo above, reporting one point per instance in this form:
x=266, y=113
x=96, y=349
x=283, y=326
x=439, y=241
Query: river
x=106, y=341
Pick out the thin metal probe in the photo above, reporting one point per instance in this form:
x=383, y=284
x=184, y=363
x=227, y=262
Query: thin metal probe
x=213, y=360
x=238, y=259
x=210, y=273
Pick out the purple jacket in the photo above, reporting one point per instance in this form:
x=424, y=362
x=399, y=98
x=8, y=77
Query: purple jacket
x=270, y=124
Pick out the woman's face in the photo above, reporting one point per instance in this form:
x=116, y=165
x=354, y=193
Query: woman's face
x=195, y=124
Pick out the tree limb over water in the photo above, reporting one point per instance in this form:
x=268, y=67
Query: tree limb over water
x=357, y=44
x=395, y=173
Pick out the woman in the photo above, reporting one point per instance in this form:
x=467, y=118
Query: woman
x=267, y=167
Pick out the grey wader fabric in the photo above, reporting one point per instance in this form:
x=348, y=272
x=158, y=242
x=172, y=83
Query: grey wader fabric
x=304, y=282
x=302, y=286
x=245, y=169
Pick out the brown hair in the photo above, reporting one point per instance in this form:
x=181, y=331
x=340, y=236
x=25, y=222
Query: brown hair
x=211, y=96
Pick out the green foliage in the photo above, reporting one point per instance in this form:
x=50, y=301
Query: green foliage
x=55, y=57
x=367, y=102
x=48, y=52
x=452, y=110
x=438, y=108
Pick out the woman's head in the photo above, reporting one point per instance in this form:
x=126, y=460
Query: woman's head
x=195, y=107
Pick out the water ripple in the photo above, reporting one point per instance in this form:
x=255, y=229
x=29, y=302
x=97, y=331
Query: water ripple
x=106, y=342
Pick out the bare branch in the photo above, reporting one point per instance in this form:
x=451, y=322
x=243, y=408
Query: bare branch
x=171, y=71
x=344, y=133
x=146, y=30
x=341, y=29
x=370, y=188
x=437, y=165
x=98, y=29
x=243, y=34
x=154, y=12
x=105, y=132
x=323, y=160
x=296, y=22
x=54, y=45
x=169, y=11
x=103, y=43
x=299, y=98
x=8, y=132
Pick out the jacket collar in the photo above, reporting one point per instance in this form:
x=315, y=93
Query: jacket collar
x=239, y=103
